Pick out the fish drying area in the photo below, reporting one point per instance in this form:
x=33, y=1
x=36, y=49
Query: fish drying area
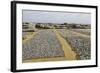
x=47, y=45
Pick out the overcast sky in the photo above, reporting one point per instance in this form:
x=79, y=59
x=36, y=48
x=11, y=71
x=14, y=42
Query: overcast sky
x=56, y=17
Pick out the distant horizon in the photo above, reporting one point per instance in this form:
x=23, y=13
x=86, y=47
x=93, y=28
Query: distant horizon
x=56, y=17
x=53, y=23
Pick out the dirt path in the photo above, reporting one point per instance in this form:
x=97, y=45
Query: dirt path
x=29, y=37
x=80, y=34
x=69, y=54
